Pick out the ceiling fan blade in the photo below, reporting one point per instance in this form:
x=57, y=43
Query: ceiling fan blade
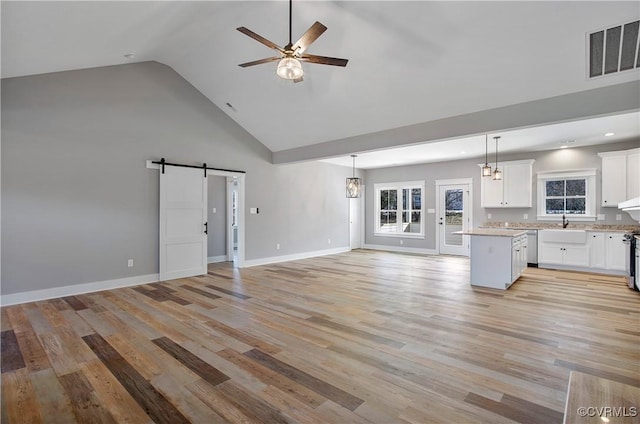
x=260, y=39
x=323, y=60
x=258, y=62
x=309, y=37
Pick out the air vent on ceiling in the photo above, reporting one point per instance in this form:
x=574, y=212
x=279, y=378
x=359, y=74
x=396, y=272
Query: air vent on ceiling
x=614, y=49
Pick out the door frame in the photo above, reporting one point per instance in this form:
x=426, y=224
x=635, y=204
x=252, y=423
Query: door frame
x=240, y=177
x=361, y=216
x=455, y=181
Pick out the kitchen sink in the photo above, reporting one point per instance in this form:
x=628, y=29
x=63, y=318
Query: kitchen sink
x=562, y=236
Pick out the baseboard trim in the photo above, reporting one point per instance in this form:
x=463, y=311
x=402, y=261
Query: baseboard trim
x=36, y=295
x=294, y=257
x=399, y=249
x=582, y=269
x=216, y=259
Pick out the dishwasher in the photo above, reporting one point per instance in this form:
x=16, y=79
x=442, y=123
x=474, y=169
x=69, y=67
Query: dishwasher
x=532, y=248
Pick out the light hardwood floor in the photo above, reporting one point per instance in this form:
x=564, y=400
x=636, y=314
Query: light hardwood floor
x=352, y=338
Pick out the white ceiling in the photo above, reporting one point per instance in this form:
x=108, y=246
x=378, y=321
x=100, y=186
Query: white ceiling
x=589, y=132
x=409, y=62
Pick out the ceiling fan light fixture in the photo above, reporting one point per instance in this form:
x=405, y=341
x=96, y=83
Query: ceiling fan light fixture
x=289, y=68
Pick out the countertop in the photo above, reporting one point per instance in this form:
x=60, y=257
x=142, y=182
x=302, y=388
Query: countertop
x=497, y=232
x=553, y=226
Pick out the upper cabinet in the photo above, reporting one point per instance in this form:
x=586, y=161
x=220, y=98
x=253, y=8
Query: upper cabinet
x=620, y=176
x=513, y=191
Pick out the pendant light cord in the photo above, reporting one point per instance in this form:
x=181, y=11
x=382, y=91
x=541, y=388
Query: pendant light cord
x=497, y=138
x=290, y=19
x=486, y=150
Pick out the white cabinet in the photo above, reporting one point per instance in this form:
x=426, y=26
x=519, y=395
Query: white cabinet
x=563, y=254
x=620, y=176
x=513, y=191
x=614, y=251
x=633, y=174
x=596, y=249
x=606, y=251
x=497, y=260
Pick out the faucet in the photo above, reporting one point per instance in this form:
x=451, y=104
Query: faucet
x=565, y=221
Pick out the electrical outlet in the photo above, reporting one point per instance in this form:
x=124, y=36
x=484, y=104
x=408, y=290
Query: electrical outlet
x=213, y=210
x=277, y=246
x=488, y=216
x=253, y=210
x=525, y=216
x=401, y=242
x=601, y=217
x=130, y=263
x=618, y=217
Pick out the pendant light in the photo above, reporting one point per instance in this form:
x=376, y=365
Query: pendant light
x=353, y=184
x=486, y=169
x=497, y=174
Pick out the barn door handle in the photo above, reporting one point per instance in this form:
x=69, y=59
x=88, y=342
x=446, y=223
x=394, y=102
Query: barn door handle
x=206, y=228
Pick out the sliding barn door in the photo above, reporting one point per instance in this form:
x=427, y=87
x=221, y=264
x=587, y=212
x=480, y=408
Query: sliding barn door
x=183, y=218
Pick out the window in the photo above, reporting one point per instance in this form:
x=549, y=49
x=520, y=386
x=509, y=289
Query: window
x=399, y=209
x=567, y=193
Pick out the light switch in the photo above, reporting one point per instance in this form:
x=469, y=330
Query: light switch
x=431, y=211
x=253, y=210
x=601, y=217
x=618, y=217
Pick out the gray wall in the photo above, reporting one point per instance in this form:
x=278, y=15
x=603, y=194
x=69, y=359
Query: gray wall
x=553, y=160
x=78, y=201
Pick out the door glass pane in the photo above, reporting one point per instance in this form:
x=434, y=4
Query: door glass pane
x=405, y=198
x=453, y=217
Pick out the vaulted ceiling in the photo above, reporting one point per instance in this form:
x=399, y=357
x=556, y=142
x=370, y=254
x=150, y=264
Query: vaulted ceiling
x=410, y=63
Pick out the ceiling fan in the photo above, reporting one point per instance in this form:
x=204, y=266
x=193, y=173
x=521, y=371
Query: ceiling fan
x=289, y=66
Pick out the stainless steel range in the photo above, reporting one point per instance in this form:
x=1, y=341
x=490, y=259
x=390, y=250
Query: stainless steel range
x=631, y=243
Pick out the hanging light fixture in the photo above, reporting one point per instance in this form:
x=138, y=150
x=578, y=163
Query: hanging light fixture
x=353, y=184
x=486, y=169
x=497, y=174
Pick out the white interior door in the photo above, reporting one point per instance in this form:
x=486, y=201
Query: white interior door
x=453, y=215
x=183, y=218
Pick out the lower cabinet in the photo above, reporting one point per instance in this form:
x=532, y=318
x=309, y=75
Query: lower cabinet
x=563, y=254
x=497, y=261
x=601, y=252
x=614, y=251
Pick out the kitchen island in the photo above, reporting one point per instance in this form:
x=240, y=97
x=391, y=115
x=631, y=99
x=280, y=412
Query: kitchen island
x=497, y=256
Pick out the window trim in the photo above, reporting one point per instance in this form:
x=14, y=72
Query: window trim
x=589, y=176
x=399, y=186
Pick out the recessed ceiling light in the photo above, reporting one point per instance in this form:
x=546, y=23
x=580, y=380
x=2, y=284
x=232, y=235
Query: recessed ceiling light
x=563, y=147
x=463, y=152
x=609, y=134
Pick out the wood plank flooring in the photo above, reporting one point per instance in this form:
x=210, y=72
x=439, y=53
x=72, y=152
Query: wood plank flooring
x=360, y=337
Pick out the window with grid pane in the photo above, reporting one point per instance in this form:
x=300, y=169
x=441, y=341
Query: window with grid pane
x=567, y=193
x=399, y=209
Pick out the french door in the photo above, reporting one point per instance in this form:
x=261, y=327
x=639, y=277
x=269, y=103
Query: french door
x=454, y=206
x=183, y=223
